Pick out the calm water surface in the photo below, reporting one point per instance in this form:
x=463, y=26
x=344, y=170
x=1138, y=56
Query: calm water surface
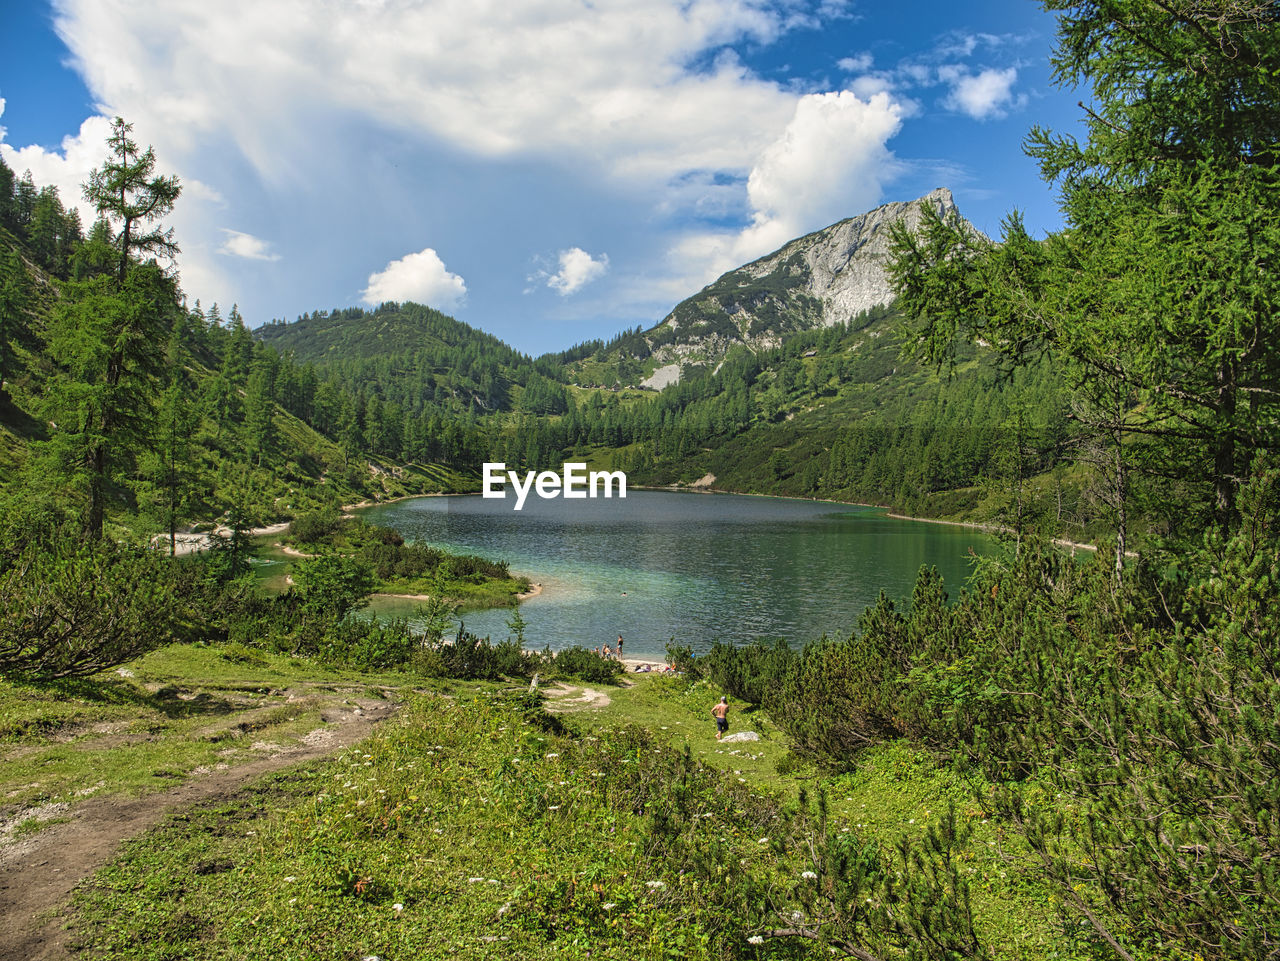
x=694, y=567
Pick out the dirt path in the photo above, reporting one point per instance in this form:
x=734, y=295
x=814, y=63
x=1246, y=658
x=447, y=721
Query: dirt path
x=37, y=874
x=587, y=700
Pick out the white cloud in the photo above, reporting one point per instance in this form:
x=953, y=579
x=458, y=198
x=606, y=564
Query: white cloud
x=261, y=106
x=247, y=246
x=981, y=96
x=67, y=169
x=608, y=79
x=577, y=269
x=420, y=277
x=856, y=64
x=830, y=162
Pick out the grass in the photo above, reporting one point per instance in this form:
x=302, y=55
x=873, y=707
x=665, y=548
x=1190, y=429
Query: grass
x=896, y=790
x=459, y=829
x=470, y=824
x=178, y=710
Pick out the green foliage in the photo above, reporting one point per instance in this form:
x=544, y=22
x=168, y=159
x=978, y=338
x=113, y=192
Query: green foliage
x=1172, y=764
x=579, y=663
x=315, y=527
x=471, y=657
x=470, y=821
x=69, y=610
x=862, y=899
x=681, y=658
x=332, y=586
x=1157, y=292
x=749, y=672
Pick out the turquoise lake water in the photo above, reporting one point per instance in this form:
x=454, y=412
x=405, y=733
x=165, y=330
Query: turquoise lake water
x=693, y=567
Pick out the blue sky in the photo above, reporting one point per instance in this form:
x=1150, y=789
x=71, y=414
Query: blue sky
x=549, y=170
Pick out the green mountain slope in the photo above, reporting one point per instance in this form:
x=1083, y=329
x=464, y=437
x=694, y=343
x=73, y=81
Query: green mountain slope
x=215, y=427
x=420, y=359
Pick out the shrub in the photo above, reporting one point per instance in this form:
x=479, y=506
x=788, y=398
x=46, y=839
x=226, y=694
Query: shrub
x=752, y=673
x=73, y=609
x=578, y=662
x=839, y=697
x=331, y=587
x=316, y=527
x=680, y=657
x=369, y=645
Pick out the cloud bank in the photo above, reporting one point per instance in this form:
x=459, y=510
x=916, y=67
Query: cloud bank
x=350, y=136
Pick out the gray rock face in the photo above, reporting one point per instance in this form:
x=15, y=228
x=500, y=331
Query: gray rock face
x=824, y=278
x=662, y=377
x=847, y=262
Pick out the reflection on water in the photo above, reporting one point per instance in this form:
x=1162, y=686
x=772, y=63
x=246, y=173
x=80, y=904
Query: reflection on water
x=693, y=567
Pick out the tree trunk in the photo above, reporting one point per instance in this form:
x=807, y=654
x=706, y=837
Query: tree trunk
x=1224, y=449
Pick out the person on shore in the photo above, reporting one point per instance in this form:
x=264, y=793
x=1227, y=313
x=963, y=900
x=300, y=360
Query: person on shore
x=619, y=647
x=608, y=651
x=721, y=712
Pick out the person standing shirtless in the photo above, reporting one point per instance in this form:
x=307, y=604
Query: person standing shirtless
x=721, y=712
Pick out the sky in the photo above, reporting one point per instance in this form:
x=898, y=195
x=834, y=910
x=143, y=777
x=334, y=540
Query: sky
x=549, y=171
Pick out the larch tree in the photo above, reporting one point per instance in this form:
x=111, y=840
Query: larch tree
x=108, y=333
x=1164, y=284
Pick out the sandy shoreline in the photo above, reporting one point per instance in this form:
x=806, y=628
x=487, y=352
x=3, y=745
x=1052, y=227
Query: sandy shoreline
x=533, y=591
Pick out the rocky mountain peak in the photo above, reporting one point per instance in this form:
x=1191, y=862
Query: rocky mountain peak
x=823, y=278
x=846, y=262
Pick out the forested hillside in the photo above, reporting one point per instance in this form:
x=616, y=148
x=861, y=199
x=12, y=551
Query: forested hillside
x=124, y=403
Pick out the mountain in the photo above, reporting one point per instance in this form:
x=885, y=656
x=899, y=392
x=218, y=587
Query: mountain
x=824, y=278
x=423, y=360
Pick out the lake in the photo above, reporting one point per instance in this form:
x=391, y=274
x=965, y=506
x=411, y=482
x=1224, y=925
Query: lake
x=694, y=567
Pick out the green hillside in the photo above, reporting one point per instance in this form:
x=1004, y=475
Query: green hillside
x=191, y=421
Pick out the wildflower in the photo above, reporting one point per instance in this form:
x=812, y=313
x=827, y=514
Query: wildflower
x=553, y=807
x=763, y=841
x=609, y=905
x=755, y=939
x=655, y=885
x=291, y=878
x=397, y=908
x=808, y=875
x=551, y=755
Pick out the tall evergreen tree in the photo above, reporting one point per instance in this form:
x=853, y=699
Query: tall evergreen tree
x=109, y=331
x=14, y=298
x=1166, y=278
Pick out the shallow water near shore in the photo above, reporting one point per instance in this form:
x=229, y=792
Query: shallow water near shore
x=694, y=567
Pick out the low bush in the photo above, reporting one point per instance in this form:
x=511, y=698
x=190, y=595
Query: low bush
x=72, y=609
x=750, y=672
x=584, y=665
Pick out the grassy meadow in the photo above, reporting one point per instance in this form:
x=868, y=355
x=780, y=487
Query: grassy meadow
x=479, y=821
